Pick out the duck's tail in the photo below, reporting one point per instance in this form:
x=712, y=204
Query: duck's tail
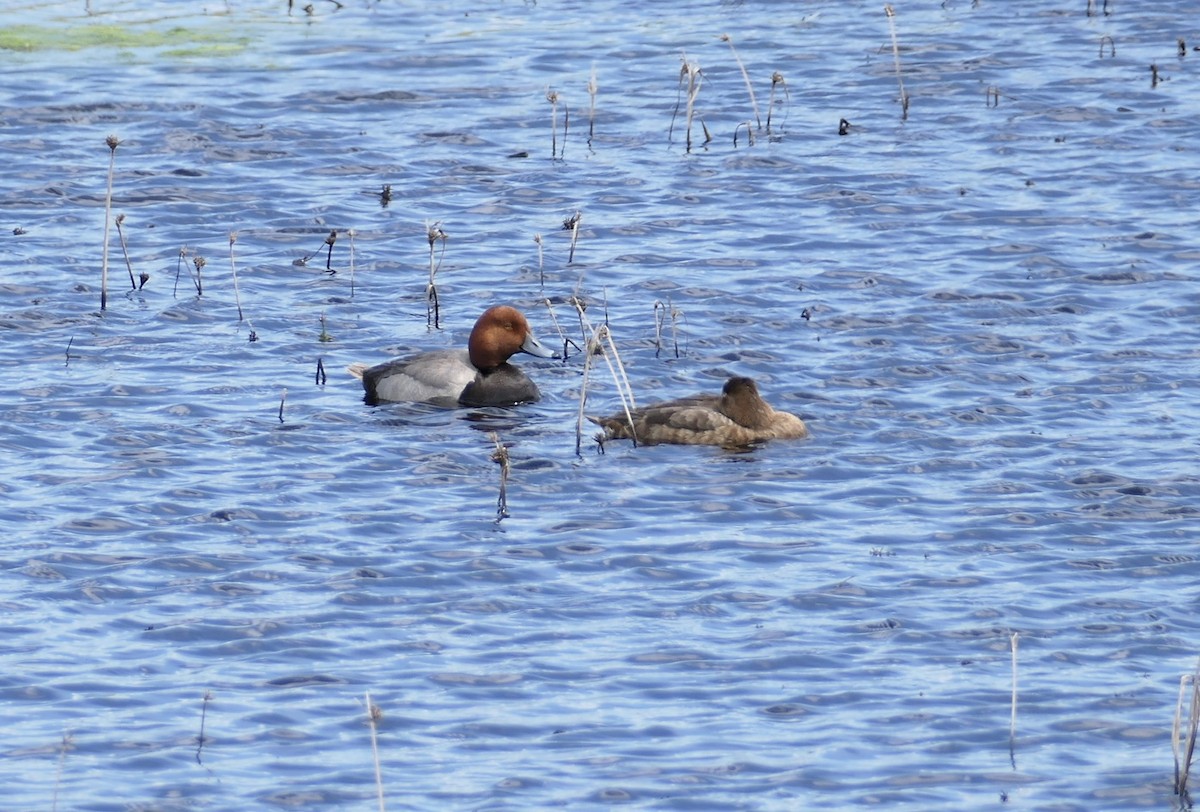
x=357, y=370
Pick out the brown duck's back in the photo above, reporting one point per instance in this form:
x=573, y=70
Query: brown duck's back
x=739, y=416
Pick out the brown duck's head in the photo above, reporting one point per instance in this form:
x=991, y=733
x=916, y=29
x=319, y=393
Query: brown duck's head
x=500, y=333
x=741, y=403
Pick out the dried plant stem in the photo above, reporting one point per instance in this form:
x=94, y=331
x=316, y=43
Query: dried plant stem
x=1012, y=724
x=282, y=400
x=777, y=79
x=112, y=143
x=537, y=238
x=572, y=224
x=746, y=77
x=64, y=746
x=891, y=15
x=199, y=262
x=434, y=234
x=690, y=77
x=125, y=251
x=552, y=97
x=667, y=309
x=329, y=241
x=374, y=714
x=237, y=296
x=352, y=234
x=500, y=456
x=691, y=71
x=203, y=718
x=1183, y=732
x=749, y=133
x=600, y=342
x=592, y=88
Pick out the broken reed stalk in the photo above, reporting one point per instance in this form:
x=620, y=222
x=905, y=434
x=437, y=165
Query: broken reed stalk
x=552, y=97
x=537, y=238
x=112, y=143
x=1012, y=724
x=1112, y=46
x=282, y=400
x=434, y=233
x=178, y=265
x=600, y=338
x=558, y=329
x=125, y=250
x=592, y=89
x=329, y=241
x=237, y=296
x=1183, y=732
x=374, y=715
x=667, y=309
x=68, y=740
x=500, y=456
x=203, y=718
x=571, y=224
x=749, y=133
x=891, y=15
x=777, y=79
x=199, y=262
x=320, y=378
x=746, y=77
x=692, y=72
x=352, y=234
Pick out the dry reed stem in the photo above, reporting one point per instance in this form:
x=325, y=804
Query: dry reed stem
x=352, y=234
x=749, y=133
x=1012, y=725
x=125, y=250
x=500, y=456
x=558, y=329
x=592, y=89
x=667, y=309
x=282, y=400
x=320, y=378
x=199, y=262
x=434, y=233
x=203, y=718
x=183, y=251
x=237, y=295
x=600, y=338
x=552, y=97
x=572, y=224
x=112, y=143
x=374, y=714
x=329, y=241
x=777, y=79
x=690, y=77
x=1183, y=732
x=537, y=238
x=65, y=745
x=1112, y=46
x=746, y=77
x=891, y=15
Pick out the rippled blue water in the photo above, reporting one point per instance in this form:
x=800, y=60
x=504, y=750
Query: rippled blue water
x=987, y=313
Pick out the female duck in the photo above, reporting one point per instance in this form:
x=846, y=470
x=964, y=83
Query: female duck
x=477, y=376
x=737, y=417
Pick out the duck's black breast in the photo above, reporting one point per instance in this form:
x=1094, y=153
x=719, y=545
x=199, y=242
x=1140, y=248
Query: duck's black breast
x=505, y=385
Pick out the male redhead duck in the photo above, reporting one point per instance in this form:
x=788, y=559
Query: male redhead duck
x=477, y=376
x=737, y=417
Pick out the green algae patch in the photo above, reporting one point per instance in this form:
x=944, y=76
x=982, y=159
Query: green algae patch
x=177, y=41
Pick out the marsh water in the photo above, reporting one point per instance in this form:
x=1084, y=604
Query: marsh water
x=986, y=311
